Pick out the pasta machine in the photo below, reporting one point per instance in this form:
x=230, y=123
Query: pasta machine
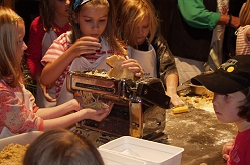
x=139, y=105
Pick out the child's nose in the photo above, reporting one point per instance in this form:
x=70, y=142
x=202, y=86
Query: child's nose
x=95, y=25
x=24, y=46
x=139, y=30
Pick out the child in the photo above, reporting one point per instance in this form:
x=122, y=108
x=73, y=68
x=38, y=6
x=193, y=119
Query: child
x=231, y=86
x=52, y=22
x=136, y=25
x=18, y=112
x=61, y=146
x=86, y=47
x=243, y=32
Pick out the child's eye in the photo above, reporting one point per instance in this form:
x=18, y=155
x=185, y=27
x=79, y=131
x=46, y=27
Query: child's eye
x=227, y=96
x=88, y=20
x=20, y=41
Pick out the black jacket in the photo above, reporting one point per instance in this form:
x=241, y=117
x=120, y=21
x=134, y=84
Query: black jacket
x=165, y=59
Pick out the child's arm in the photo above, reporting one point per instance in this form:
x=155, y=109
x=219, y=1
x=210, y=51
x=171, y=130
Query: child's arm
x=54, y=117
x=52, y=70
x=171, y=88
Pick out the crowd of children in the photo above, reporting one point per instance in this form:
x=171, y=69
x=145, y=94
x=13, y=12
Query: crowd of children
x=80, y=35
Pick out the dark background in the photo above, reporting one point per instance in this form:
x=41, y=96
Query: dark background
x=29, y=9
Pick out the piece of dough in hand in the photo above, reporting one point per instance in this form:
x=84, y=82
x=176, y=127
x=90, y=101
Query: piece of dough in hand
x=116, y=71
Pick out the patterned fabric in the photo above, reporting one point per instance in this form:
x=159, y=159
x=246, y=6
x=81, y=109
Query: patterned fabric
x=14, y=115
x=34, y=51
x=242, y=42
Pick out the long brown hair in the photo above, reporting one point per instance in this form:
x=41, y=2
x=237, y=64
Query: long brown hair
x=46, y=10
x=10, y=65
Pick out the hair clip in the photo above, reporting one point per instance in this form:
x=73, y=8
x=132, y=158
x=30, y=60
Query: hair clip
x=79, y=3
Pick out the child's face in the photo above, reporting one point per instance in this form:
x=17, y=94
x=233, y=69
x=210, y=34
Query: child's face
x=61, y=7
x=142, y=30
x=93, y=20
x=226, y=106
x=21, y=46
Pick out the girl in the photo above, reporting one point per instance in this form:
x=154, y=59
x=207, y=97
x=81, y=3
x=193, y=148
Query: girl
x=60, y=146
x=18, y=112
x=243, y=32
x=52, y=22
x=136, y=25
x=86, y=47
x=231, y=87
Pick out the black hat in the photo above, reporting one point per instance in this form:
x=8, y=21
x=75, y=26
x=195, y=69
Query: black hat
x=232, y=76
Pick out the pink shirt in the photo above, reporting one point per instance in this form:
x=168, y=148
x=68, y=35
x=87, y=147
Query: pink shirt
x=14, y=114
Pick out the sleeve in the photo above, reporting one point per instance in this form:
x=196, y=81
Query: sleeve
x=34, y=51
x=56, y=49
x=165, y=62
x=15, y=116
x=245, y=33
x=196, y=15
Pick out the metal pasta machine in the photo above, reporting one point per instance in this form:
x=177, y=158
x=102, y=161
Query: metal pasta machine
x=139, y=106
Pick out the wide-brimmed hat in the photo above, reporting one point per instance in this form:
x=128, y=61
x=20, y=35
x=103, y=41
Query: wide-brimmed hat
x=232, y=76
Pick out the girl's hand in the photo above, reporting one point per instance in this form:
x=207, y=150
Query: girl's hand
x=85, y=45
x=44, y=88
x=225, y=150
x=97, y=115
x=46, y=94
x=133, y=66
x=175, y=99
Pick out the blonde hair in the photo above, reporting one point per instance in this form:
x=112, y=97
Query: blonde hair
x=109, y=33
x=245, y=14
x=10, y=65
x=130, y=13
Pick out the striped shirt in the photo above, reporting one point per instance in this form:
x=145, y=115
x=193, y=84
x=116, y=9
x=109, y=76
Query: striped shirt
x=59, y=46
x=242, y=42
